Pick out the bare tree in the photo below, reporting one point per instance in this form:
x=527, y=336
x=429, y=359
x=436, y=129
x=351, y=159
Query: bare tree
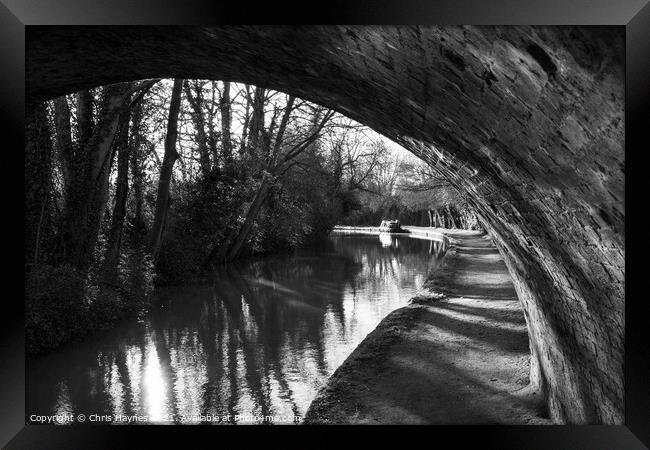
x=171, y=155
x=274, y=150
x=226, y=119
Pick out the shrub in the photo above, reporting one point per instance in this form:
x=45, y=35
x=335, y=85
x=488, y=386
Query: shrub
x=55, y=307
x=61, y=304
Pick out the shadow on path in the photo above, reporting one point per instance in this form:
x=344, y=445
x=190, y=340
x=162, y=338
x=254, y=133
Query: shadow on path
x=462, y=359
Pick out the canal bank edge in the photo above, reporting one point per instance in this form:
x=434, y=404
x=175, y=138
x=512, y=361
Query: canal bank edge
x=365, y=383
x=336, y=396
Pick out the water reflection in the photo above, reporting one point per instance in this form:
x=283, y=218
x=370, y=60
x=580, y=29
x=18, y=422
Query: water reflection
x=261, y=339
x=387, y=240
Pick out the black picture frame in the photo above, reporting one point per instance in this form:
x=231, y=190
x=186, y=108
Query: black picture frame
x=634, y=15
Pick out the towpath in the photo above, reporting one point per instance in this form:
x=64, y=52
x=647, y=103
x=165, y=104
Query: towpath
x=457, y=354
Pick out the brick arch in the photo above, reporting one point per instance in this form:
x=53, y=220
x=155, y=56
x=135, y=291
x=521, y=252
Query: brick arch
x=527, y=122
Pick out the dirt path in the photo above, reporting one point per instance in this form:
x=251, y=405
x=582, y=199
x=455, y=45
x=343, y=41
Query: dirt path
x=457, y=354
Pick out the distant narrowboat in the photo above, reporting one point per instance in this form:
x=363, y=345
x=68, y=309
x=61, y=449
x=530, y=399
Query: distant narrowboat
x=391, y=226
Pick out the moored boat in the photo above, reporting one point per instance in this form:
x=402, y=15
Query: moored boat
x=391, y=226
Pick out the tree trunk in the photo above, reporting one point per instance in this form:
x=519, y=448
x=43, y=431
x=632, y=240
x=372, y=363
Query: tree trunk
x=136, y=173
x=112, y=256
x=430, y=214
x=102, y=142
x=226, y=141
x=201, y=137
x=245, y=229
x=257, y=121
x=171, y=155
x=452, y=221
x=86, y=172
x=85, y=119
x=38, y=172
x=247, y=119
x=213, y=135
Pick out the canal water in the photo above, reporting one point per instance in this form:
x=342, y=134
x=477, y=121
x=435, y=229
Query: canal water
x=253, y=346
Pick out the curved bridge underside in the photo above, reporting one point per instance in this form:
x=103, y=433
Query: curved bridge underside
x=527, y=122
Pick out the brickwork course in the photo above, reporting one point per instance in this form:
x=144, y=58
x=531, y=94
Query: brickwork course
x=527, y=122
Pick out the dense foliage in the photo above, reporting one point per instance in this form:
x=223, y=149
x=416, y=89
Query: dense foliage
x=158, y=181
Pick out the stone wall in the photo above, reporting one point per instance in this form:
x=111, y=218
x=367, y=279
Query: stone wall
x=527, y=122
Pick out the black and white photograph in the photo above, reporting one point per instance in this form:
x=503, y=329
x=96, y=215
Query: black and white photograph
x=322, y=225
